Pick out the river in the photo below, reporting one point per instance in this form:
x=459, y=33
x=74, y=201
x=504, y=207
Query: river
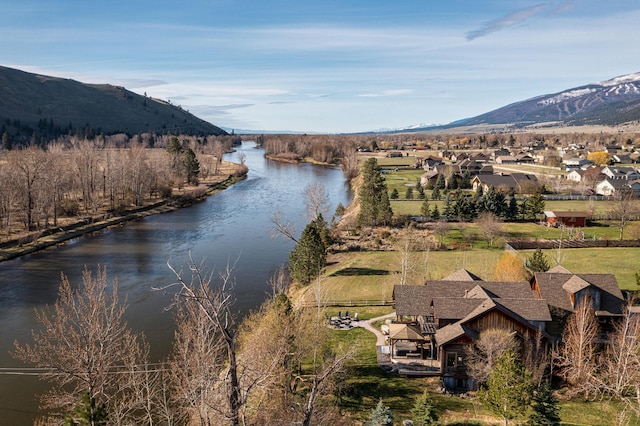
x=233, y=226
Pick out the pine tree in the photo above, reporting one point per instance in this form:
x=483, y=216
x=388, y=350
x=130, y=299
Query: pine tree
x=423, y=412
x=87, y=412
x=424, y=208
x=380, y=416
x=508, y=391
x=535, y=206
x=191, y=166
x=394, y=194
x=435, y=194
x=375, y=208
x=309, y=256
x=409, y=194
x=545, y=407
x=439, y=182
x=435, y=214
x=537, y=262
x=512, y=209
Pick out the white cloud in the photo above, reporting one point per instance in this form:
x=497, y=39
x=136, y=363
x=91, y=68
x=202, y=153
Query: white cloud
x=387, y=93
x=509, y=20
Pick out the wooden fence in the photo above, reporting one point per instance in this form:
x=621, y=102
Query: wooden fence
x=555, y=244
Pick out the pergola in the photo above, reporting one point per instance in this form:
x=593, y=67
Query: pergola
x=407, y=338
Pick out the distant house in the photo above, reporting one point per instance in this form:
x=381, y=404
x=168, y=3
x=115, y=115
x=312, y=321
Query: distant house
x=621, y=172
x=573, y=219
x=610, y=186
x=506, y=159
x=574, y=163
x=516, y=182
x=575, y=175
x=429, y=163
x=525, y=158
x=622, y=158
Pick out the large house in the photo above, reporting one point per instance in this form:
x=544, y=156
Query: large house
x=439, y=320
x=451, y=313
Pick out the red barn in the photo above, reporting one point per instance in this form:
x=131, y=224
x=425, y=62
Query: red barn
x=574, y=219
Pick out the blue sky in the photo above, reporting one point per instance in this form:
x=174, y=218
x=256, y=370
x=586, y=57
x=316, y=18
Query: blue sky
x=330, y=66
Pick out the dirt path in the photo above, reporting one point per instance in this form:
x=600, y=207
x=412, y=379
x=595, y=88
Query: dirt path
x=367, y=325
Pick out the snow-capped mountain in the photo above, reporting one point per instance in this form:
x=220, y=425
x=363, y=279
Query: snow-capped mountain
x=610, y=102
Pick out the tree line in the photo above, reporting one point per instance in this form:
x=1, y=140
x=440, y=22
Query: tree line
x=82, y=177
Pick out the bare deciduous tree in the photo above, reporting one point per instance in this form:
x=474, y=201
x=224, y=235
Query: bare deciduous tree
x=619, y=365
x=85, y=346
x=623, y=210
x=405, y=246
x=484, y=352
x=316, y=200
x=576, y=358
x=490, y=226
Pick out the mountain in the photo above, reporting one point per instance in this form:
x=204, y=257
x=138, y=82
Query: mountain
x=50, y=106
x=606, y=103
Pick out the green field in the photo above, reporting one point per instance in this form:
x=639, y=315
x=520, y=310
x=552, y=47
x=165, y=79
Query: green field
x=360, y=276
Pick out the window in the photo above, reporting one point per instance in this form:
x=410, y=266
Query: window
x=452, y=358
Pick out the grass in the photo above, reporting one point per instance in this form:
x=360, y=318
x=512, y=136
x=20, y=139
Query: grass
x=367, y=383
x=361, y=275
x=622, y=262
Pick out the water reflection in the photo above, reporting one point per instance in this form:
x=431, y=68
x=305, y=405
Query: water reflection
x=232, y=225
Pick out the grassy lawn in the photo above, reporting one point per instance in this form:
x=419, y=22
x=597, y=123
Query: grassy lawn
x=622, y=262
x=366, y=383
x=371, y=275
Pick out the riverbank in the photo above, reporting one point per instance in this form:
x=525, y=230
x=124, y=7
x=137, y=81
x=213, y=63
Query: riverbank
x=53, y=237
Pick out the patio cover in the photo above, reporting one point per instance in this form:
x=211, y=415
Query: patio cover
x=408, y=332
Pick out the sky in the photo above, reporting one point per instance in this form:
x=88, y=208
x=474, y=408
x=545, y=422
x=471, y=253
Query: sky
x=331, y=66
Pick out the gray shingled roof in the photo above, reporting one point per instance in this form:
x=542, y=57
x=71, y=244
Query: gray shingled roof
x=455, y=299
x=462, y=275
x=553, y=291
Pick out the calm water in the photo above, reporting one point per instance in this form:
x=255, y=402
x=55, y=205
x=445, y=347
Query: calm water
x=231, y=226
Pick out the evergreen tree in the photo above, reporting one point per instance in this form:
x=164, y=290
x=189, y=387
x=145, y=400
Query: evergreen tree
x=494, y=202
x=512, y=209
x=423, y=412
x=6, y=141
x=174, y=146
x=439, y=182
x=435, y=194
x=464, y=209
x=191, y=166
x=409, y=194
x=435, y=214
x=465, y=183
x=420, y=192
x=394, y=194
x=537, y=262
x=340, y=210
x=309, y=256
x=452, y=183
x=535, y=206
x=87, y=413
x=545, y=407
x=380, y=416
x=375, y=208
x=424, y=208
x=508, y=391
x=449, y=211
